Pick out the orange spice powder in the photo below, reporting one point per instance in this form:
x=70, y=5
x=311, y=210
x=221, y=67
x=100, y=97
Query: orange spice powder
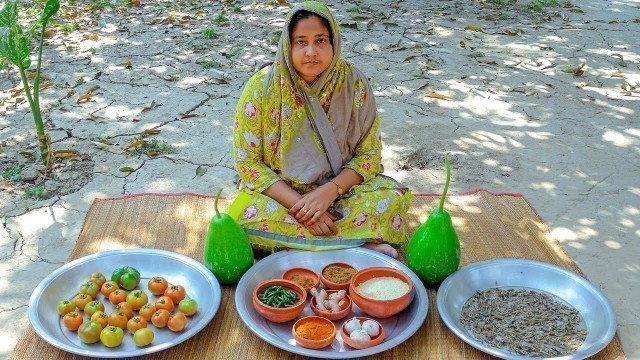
x=313, y=330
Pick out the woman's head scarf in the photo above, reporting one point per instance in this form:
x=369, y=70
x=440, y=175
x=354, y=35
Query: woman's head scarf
x=341, y=93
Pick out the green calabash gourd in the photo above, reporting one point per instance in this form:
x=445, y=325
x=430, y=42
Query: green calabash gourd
x=434, y=250
x=227, y=252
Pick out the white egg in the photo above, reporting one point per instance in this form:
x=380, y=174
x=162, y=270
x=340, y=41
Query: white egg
x=371, y=327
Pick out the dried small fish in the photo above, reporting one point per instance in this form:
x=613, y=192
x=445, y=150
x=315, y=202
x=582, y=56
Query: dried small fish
x=525, y=322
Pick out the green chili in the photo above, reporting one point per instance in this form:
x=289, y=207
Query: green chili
x=279, y=297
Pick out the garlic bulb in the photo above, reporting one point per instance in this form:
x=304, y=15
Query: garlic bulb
x=360, y=335
x=371, y=327
x=352, y=325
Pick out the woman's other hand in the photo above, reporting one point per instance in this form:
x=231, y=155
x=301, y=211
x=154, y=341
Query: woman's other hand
x=314, y=204
x=324, y=226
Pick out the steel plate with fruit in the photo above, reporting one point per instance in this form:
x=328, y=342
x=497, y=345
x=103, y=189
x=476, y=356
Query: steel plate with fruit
x=153, y=300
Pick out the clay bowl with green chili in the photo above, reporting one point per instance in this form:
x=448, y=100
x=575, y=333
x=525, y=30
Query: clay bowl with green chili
x=279, y=300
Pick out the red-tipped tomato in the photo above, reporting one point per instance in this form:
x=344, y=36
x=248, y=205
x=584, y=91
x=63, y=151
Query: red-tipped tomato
x=177, y=322
x=109, y=287
x=157, y=285
x=160, y=318
x=72, y=320
x=98, y=278
x=136, y=323
x=117, y=319
x=118, y=296
x=165, y=302
x=147, y=311
x=176, y=293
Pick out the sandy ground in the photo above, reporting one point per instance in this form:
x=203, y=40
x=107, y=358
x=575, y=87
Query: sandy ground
x=512, y=113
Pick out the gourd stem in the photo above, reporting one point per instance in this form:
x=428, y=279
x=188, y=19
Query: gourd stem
x=215, y=204
x=446, y=184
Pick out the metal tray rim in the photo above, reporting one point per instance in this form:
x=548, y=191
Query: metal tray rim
x=208, y=315
x=420, y=295
x=447, y=318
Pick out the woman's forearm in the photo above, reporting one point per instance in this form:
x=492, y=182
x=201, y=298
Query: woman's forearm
x=282, y=193
x=346, y=179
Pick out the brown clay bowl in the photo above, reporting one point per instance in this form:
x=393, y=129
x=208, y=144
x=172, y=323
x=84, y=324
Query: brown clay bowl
x=334, y=285
x=279, y=315
x=345, y=306
x=313, y=344
x=375, y=340
x=379, y=308
x=287, y=275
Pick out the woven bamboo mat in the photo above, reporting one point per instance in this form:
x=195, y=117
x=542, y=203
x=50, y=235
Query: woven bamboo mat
x=488, y=225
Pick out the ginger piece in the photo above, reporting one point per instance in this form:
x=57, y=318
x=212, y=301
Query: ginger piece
x=333, y=301
x=320, y=297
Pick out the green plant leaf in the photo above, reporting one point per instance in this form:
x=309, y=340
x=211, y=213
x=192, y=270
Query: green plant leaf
x=50, y=9
x=14, y=47
x=127, y=169
x=200, y=171
x=9, y=14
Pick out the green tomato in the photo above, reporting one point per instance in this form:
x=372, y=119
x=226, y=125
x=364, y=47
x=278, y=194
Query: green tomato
x=90, y=288
x=111, y=336
x=92, y=307
x=188, y=306
x=90, y=332
x=66, y=306
x=129, y=281
x=143, y=337
x=126, y=276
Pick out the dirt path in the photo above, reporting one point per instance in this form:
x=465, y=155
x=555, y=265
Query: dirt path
x=499, y=85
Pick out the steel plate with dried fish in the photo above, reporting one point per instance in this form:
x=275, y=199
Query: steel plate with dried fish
x=520, y=277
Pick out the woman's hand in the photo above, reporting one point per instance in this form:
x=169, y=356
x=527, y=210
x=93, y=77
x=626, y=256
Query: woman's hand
x=314, y=204
x=324, y=226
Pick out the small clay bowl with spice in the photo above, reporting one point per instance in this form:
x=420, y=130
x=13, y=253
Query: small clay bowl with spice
x=330, y=276
x=375, y=340
x=323, y=331
x=345, y=307
x=306, y=278
x=283, y=314
x=380, y=308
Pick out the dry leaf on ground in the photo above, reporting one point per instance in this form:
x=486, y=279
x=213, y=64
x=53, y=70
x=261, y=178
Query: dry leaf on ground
x=474, y=28
x=85, y=97
x=150, y=107
x=438, y=96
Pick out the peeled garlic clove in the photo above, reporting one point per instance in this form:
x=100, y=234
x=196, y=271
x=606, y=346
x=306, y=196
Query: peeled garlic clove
x=352, y=325
x=371, y=327
x=360, y=335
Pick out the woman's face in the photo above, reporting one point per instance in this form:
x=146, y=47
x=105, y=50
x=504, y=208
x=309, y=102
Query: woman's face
x=311, y=49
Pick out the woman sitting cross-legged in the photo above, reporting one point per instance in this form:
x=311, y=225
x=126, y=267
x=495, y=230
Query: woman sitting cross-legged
x=307, y=148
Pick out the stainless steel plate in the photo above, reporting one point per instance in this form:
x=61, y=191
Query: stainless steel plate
x=398, y=328
x=63, y=283
x=569, y=287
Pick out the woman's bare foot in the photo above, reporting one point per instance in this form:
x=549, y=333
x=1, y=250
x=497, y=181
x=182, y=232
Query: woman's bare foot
x=382, y=248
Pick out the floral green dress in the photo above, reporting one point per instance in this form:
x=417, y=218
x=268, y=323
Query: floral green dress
x=275, y=138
